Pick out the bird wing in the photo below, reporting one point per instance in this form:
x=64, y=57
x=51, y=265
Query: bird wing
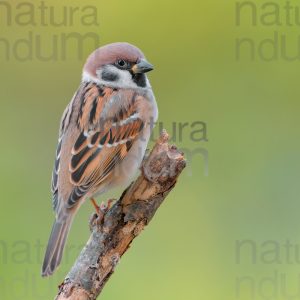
x=108, y=125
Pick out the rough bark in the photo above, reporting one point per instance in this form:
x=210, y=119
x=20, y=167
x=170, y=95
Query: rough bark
x=111, y=236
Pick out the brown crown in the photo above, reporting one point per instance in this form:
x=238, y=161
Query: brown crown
x=109, y=54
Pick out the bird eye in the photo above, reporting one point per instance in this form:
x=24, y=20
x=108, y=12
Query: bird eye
x=121, y=63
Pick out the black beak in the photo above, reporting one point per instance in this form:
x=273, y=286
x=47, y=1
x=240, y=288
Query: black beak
x=142, y=67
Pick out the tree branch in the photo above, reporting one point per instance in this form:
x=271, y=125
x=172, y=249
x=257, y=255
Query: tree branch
x=112, y=235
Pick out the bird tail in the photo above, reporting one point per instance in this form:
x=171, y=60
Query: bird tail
x=56, y=245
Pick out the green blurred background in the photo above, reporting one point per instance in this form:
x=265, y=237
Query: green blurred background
x=250, y=190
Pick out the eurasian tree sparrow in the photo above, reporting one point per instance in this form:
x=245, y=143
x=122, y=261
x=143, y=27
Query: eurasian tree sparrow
x=103, y=136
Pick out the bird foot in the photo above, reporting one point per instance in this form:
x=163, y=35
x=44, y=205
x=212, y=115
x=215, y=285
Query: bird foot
x=100, y=211
x=105, y=207
x=96, y=206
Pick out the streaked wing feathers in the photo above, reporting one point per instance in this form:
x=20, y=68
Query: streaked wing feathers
x=97, y=152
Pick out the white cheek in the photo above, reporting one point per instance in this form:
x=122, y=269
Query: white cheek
x=124, y=78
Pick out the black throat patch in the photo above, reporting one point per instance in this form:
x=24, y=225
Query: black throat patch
x=139, y=79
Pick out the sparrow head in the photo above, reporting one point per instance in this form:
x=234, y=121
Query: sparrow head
x=119, y=65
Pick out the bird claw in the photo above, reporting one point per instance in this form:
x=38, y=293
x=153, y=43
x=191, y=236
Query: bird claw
x=101, y=210
x=105, y=207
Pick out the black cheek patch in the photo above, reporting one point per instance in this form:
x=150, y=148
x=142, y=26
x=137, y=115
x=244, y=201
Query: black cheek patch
x=109, y=76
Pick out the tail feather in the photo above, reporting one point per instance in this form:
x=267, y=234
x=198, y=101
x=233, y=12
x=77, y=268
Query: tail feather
x=56, y=245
